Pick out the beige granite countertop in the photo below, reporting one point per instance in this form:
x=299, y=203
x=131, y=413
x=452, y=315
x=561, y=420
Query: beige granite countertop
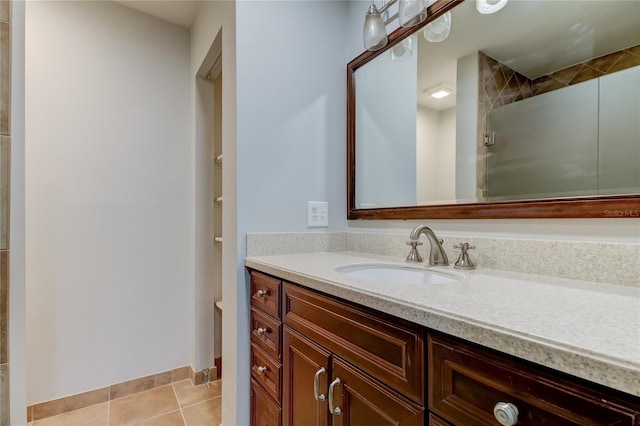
x=586, y=329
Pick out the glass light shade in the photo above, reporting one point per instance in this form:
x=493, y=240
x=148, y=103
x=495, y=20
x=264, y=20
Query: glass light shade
x=403, y=50
x=374, y=34
x=411, y=12
x=488, y=7
x=439, y=29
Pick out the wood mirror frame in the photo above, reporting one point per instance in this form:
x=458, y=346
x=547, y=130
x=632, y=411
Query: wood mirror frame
x=617, y=206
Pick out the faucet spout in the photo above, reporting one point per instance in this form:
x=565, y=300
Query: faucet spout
x=437, y=255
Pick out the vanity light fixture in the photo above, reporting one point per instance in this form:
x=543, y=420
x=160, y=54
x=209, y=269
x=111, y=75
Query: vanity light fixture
x=410, y=13
x=374, y=34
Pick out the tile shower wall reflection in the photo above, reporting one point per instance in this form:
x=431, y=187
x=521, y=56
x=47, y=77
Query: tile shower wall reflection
x=5, y=149
x=499, y=85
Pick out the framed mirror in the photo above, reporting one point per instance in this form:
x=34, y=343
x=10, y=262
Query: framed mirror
x=540, y=116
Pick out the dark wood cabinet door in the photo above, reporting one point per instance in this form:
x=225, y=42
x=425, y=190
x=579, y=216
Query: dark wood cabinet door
x=387, y=348
x=365, y=402
x=264, y=410
x=303, y=359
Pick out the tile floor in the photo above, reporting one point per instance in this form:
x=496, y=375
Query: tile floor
x=180, y=403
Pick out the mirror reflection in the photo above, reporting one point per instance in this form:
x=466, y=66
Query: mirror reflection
x=538, y=100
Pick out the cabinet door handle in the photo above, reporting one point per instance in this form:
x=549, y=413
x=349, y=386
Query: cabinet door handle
x=332, y=409
x=261, y=293
x=261, y=330
x=506, y=413
x=261, y=369
x=316, y=385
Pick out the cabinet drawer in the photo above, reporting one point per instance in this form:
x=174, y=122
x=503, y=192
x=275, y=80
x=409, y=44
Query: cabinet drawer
x=266, y=332
x=389, y=349
x=266, y=371
x=265, y=293
x=467, y=382
x=264, y=410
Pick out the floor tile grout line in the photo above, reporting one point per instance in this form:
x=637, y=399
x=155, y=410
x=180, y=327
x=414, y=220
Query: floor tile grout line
x=109, y=407
x=200, y=402
x=153, y=418
x=184, y=421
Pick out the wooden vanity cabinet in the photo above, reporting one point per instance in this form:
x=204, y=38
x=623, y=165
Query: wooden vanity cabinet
x=266, y=350
x=303, y=341
x=264, y=410
x=436, y=421
x=466, y=384
x=329, y=344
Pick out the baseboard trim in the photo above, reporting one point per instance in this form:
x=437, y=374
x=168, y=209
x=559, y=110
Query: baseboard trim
x=75, y=402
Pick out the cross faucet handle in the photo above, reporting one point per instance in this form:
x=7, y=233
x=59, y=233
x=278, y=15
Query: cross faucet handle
x=414, y=256
x=464, y=260
x=464, y=246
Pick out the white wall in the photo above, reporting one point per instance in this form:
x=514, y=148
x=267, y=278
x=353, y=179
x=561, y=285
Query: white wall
x=17, y=351
x=428, y=121
x=467, y=127
x=447, y=171
x=385, y=158
x=107, y=196
x=291, y=112
x=205, y=263
x=283, y=141
x=435, y=155
x=291, y=63
x=213, y=19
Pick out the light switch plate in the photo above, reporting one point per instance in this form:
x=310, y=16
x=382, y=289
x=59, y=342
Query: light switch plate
x=317, y=214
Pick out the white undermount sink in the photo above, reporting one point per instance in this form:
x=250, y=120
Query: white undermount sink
x=397, y=274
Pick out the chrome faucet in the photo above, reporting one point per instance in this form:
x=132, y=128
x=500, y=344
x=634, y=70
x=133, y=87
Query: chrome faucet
x=437, y=255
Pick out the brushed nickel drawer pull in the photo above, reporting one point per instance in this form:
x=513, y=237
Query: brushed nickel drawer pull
x=506, y=413
x=332, y=409
x=316, y=385
x=261, y=293
x=261, y=369
x=261, y=331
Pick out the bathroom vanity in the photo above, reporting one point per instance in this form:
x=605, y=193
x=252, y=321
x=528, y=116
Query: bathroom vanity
x=489, y=348
x=338, y=338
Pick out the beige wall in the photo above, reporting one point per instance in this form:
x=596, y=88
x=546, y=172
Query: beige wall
x=108, y=187
x=5, y=162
